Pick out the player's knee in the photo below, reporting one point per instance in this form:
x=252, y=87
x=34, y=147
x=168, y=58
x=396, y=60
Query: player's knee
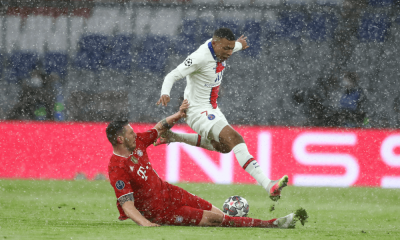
x=211, y=219
x=239, y=138
x=236, y=139
x=219, y=147
x=224, y=149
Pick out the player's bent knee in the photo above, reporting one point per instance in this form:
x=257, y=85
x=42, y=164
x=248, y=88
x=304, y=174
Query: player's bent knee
x=230, y=137
x=216, y=210
x=211, y=219
x=219, y=147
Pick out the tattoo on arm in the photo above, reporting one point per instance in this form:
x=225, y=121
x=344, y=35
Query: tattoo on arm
x=126, y=198
x=165, y=124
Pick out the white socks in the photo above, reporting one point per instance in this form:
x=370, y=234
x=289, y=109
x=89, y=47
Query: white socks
x=242, y=154
x=191, y=139
x=250, y=165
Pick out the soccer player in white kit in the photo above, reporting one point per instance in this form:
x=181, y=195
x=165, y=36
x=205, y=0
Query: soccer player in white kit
x=203, y=70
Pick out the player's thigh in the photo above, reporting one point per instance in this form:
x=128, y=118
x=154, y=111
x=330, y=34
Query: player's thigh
x=230, y=137
x=181, y=216
x=202, y=121
x=181, y=197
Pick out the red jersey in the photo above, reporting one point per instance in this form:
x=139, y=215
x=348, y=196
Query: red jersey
x=136, y=175
x=157, y=200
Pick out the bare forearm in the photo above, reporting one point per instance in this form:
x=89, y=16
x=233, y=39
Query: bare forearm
x=171, y=120
x=168, y=122
x=132, y=213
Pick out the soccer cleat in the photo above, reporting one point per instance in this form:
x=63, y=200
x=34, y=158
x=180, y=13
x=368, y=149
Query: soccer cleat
x=290, y=220
x=275, y=188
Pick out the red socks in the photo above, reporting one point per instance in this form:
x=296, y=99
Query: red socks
x=246, y=222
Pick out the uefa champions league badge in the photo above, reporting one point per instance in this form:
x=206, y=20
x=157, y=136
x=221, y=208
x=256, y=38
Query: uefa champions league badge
x=139, y=153
x=120, y=184
x=188, y=62
x=211, y=116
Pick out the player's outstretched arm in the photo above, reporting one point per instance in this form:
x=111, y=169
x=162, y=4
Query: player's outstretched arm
x=168, y=122
x=169, y=81
x=130, y=211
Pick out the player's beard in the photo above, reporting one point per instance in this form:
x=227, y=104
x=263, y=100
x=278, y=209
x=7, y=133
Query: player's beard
x=129, y=146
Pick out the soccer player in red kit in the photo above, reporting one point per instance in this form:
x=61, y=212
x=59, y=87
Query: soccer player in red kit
x=146, y=199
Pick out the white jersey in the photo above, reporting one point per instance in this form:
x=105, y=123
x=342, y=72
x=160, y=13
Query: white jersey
x=203, y=75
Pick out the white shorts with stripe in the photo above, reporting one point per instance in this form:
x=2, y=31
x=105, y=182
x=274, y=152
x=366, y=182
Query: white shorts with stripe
x=207, y=122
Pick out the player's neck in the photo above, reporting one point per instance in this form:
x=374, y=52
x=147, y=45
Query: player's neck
x=121, y=151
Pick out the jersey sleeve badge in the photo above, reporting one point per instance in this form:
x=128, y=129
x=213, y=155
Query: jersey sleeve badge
x=120, y=184
x=188, y=62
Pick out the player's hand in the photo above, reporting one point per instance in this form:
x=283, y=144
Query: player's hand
x=182, y=109
x=243, y=41
x=150, y=224
x=164, y=100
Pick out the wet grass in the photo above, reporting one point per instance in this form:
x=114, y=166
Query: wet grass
x=86, y=210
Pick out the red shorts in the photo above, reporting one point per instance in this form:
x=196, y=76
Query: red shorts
x=183, y=208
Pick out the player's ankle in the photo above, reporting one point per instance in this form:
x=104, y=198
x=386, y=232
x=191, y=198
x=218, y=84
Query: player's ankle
x=265, y=183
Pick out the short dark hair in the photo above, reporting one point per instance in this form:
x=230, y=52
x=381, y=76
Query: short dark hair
x=114, y=129
x=224, y=33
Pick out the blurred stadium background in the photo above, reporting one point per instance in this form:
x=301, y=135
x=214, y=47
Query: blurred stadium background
x=100, y=60
x=103, y=59
x=116, y=53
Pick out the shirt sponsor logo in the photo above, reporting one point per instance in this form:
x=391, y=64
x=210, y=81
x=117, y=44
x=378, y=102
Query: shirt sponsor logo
x=212, y=85
x=142, y=173
x=211, y=116
x=219, y=77
x=120, y=184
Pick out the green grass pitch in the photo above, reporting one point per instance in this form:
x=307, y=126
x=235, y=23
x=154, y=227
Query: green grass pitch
x=86, y=210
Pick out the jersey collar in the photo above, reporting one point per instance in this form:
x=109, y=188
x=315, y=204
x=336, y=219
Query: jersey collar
x=121, y=156
x=212, y=51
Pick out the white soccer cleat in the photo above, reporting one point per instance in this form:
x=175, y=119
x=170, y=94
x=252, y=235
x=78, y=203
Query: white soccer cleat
x=275, y=187
x=286, y=221
x=290, y=220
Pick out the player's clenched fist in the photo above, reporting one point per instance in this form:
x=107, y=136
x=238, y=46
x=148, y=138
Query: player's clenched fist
x=164, y=99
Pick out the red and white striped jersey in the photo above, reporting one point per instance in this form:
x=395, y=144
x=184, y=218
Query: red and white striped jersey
x=203, y=74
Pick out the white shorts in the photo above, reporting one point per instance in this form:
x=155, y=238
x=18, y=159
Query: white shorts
x=206, y=122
